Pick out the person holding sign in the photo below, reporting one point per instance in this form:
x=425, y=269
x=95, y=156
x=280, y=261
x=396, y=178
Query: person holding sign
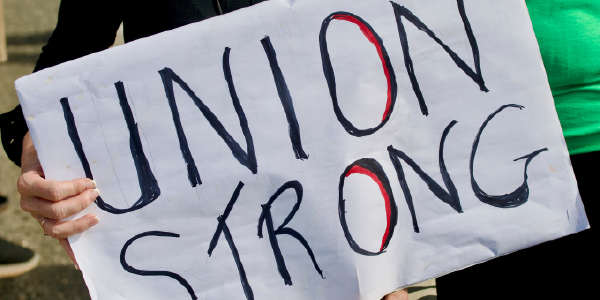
x=143, y=23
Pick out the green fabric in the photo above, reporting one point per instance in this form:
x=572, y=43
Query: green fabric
x=568, y=32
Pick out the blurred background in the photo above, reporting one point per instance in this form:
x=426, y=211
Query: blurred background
x=28, y=24
x=26, y=28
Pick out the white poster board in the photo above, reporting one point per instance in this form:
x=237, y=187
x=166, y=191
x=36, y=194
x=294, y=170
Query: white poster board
x=268, y=121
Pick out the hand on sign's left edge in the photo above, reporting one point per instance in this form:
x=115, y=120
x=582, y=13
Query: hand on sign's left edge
x=51, y=201
x=397, y=295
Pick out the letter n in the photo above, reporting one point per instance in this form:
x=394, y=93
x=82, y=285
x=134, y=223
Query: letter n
x=401, y=11
x=449, y=197
x=246, y=158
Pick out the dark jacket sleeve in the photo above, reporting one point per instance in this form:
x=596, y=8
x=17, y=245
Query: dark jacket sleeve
x=14, y=129
x=84, y=27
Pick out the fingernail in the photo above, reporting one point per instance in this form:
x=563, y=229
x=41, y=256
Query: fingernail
x=76, y=267
x=94, y=194
x=90, y=184
x=94, y=221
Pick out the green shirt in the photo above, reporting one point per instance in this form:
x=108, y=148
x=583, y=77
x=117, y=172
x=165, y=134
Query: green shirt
x=568, y=32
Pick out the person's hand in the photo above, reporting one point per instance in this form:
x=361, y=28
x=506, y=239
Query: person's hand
x=397, y=295
x=51, y=201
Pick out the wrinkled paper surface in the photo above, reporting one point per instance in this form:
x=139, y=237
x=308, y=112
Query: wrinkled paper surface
x=447, y=240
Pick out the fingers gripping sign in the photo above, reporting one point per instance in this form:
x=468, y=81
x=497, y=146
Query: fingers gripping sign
x=58, y=208
x=63, y=229
x=51, y=201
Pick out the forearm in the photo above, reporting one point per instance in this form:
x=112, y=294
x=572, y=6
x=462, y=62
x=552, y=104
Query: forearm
x=29, y=157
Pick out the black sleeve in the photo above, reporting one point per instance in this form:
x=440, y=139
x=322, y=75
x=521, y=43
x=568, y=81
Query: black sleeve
x=84, y=27
x=14, y=129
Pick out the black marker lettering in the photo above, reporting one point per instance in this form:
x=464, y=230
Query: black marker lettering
x=519, y=196
x=266, y=216
x=388, y=70
x=222, y=228
x=450, y=197
x=148, y=184
x=286, y=99
x=401, y=11
x=373, y=169
x=133, y=270
x=246, y=159
x=193, y=174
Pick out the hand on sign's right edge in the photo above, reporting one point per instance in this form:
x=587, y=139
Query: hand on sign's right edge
x=397, y=295
x=51, y=201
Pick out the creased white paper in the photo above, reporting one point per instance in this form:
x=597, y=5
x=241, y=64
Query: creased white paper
x=328, y=95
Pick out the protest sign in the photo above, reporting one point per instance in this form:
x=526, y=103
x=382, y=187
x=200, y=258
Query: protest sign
x=309, y=149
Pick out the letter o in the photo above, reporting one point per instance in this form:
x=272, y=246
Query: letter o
x=372, y=36
x=373, y=169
